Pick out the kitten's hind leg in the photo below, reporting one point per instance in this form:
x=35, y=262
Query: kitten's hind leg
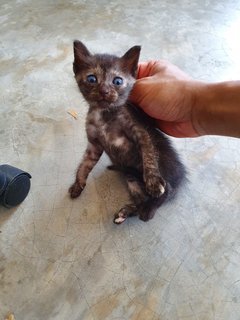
x=127, y=211
x=148, y=208
x=146, y=205
x=136, y=189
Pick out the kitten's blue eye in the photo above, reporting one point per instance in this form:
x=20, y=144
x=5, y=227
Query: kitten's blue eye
x=118, y=81
x=91, y=78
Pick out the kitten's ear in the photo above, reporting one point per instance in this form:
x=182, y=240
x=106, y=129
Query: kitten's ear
x=130, y=60
x=81, y=55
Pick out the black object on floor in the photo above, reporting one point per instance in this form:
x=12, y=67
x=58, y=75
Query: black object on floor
x=14, y=185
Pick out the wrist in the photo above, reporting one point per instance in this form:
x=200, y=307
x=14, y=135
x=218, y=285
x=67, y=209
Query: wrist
x=216, y=108
x=201, y=107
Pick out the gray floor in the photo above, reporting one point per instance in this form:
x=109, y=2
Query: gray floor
x=63, y=259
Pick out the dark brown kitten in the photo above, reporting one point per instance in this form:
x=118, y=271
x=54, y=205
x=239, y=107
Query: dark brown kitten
x=141, y=152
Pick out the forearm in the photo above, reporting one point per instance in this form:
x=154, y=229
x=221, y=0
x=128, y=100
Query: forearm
x=216, y=110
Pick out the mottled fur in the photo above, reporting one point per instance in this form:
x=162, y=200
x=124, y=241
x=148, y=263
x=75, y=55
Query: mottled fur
x=141, y=152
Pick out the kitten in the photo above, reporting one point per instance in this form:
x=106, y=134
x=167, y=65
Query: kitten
x=141, y=152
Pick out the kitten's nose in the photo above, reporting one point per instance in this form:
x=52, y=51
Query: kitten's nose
x=104, y=90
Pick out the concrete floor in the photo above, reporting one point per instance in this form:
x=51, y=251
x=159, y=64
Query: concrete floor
x=63, y=259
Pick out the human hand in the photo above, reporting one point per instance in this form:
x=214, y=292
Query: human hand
x=166, y=94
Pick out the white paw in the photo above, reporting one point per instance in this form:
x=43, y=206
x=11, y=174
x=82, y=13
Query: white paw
x=119, y=220
x=162, y=189
x=120, y=217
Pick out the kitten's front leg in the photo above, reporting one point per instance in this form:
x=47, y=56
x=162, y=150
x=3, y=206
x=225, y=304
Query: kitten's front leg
x=90, y=158
x=155, y=184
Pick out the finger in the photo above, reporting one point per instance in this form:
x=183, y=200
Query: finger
x=145, y=69
x=139, y=91
x=177, y=129
x=170, y=129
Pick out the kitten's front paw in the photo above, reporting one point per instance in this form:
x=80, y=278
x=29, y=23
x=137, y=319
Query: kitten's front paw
x=75, y=190
x=155, y=186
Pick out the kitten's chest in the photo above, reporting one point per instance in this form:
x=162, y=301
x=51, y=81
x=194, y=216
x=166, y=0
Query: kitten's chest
x=109, y=131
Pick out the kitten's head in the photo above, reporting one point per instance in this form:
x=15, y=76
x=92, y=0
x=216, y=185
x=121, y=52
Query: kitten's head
x=105, y=80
